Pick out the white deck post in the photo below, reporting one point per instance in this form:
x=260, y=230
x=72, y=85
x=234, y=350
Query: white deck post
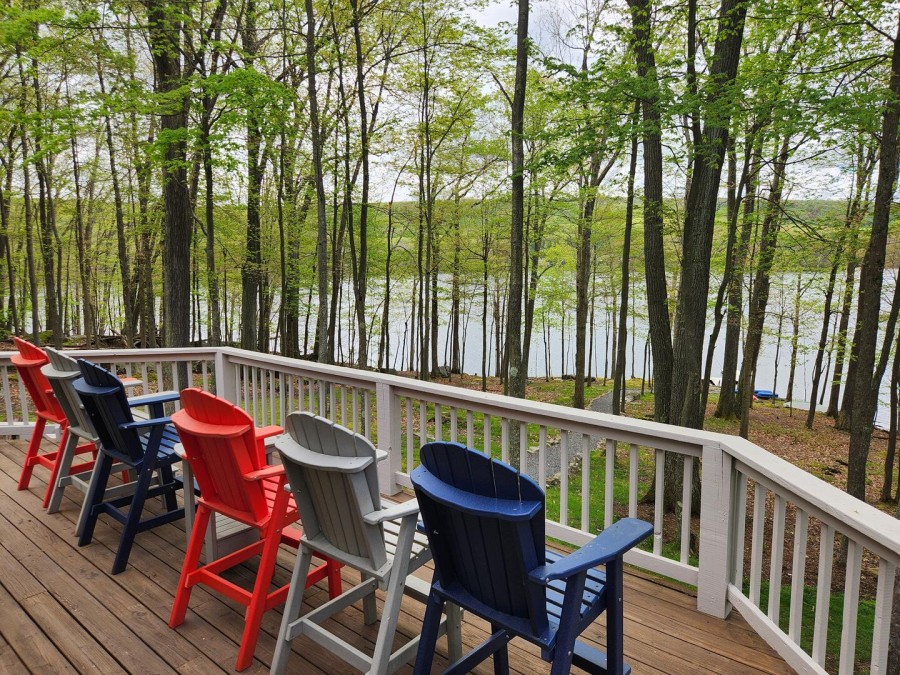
x=715, y=532
x=387, y=404
x=225, y=380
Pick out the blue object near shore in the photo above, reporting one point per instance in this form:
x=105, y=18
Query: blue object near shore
x=765, y=394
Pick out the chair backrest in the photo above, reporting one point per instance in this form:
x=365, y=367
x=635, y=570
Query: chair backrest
x=61, y=373
x=333, y=474
x=485, y=525
x=104, y=400
x=28, y=363
x=220, y=442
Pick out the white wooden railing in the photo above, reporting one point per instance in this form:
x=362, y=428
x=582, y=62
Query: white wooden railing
x=757, y=511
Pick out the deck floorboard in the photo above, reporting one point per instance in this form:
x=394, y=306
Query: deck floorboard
x=64, y=612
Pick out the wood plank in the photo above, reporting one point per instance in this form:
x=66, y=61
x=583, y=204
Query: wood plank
x=10, y=663
x=27, y=638
x=664, y=633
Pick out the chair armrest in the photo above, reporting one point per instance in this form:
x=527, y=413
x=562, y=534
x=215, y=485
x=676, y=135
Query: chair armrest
x=610, y=544
x=150, y=399
x=393, y=512
x=262, y=474
x=269, y=431
x=469, y=502
x=155, y=422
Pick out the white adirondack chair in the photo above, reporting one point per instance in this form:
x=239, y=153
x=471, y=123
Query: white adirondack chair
x=332, y=472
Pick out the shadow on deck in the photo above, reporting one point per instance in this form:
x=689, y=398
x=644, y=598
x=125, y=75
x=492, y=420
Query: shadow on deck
x=61, y=610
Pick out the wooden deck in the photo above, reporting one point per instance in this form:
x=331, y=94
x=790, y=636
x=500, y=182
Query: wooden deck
x=61, y=610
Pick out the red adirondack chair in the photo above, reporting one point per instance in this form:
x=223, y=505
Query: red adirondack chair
x=227, y=456
x=28, y=363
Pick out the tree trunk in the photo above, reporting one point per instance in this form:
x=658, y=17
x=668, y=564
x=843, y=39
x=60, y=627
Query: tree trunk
x=165, y=37
x=619, y=375
x=517, y=375
x=865, y=386
x=693, y=292
x=760, y=296
x=654, y=251
x=323, y=342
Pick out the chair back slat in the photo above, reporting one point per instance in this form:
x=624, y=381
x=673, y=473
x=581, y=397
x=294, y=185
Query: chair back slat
x=220, y=442
x=488, y=557
x=61, y=372
x=104, y=400
x=28, y=363
x=334, y=495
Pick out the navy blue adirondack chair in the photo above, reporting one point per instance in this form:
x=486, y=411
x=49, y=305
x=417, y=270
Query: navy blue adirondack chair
x=485, y=526
x=144, y=445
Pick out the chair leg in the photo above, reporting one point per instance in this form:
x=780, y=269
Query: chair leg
x=454, y=632
x=501, y=656
x=55, y=472
x=88, y=518
x=370, y=610
x=334, y=579
x=615, y=621
x=132, y=522
x=61, y=469
x=390, y=613
x=191, y=562
x=568, y=625
x=34, y=447
x=167, y=476
x=291, y=611
x=258, y=600
x=428, y=638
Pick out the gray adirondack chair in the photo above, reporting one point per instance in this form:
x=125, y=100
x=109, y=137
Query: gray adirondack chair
x=61, y=372
x=332, y=472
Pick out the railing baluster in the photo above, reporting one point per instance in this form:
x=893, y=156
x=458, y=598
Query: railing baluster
x=160, y=380
x=438, y=423
x=344, y=405
x=740, y=529
x=453, y=423
x=423, y=424
x=273, y=406
x=542, y=458
x=756, y=547
x=658, y=515
x=563, y=477
x=608, y=494
x=523, y=447
x=7, y=396
x=323, y=400
x=798, y=574
x=355, y=398
x=332, y=398
x=632, y=480
x=777, y=559
x=851, y=607
x=24, y=402
x=487, y=435
x=504, y=439
x=823, y=592
x=881, y=633
x=145, y=387
x=254, y=393
x=585, y=482
x=282, y=387
x=686, y=499
x=410, y=458
x=470, y=429
x=204, y=369
x=367, y=415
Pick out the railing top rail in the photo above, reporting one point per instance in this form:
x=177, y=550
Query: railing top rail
x=158, y=354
